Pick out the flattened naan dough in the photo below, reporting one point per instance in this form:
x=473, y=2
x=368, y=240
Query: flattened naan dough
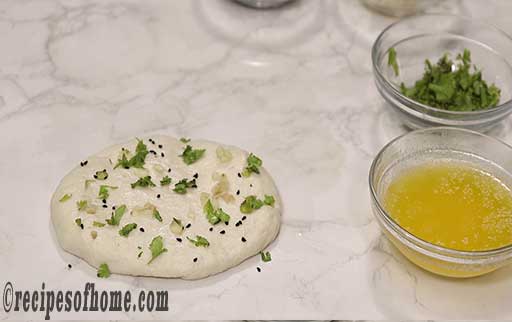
x=226, y=250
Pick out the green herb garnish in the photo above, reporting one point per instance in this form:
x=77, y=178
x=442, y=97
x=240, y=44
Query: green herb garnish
x=200, y=241
x=182, y=185
x=81, y=205
x=213, y=215
x=66, y=197
x=266, y=257
x=156, y=214
x=103, y=192
x=101, y=175
x=184, y=140
x=127, y=229
x=98, y=224
x=137, y=161
x=157, y=248
x=392, y=61
x=165, y=181
x=103, y=271
x=143, y=182
x=453, y=86
x=253, y=165
x=269, y=200
x=252, y=203
x=191, y=155
x=116, y=216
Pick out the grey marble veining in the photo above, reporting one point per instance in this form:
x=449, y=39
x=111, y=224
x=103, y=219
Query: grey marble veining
x=294, y=85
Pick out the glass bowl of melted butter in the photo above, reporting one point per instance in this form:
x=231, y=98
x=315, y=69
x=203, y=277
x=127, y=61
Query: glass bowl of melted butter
x=443, y=197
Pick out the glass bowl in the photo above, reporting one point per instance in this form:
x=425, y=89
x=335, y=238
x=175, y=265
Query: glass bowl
x=400, y=8
x=430, y=36
x=263, y=4
x=442, y=143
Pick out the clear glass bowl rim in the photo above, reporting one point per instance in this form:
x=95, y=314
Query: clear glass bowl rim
x=424, y=245
x=503, y=106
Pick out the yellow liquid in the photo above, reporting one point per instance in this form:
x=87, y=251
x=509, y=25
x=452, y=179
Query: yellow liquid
x=453, y=205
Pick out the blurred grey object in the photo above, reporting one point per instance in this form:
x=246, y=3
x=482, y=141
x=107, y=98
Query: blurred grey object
x=263, y=4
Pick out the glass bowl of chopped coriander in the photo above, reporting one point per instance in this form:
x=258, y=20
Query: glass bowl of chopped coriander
x=445, y=70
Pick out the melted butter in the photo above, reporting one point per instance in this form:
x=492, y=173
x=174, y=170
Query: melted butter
x=453, y=205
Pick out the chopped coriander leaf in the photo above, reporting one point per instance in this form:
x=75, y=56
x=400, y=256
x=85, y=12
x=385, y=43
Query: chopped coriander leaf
x=101, y=175
x=115, y=219
x=156, y=214
x=250, y=204
x=182, y=185
x=143, y=182
x=78, y=222
x=125, y=231
x=81, y=205
x=224, y=217
x=191, y=155
x=66, y=197
x=213, y=215
x=266, y=257
x=103, y=192
x=453, y=86
x=184, y=140
x=392, y=61
x=176, y=226
x=200, y=241
x=165, y=181
x=210, y=213
x=103, y=271
x=98, y=224
x=269, y=200
x=137, y=161
x=253, y=165
x=157, y=248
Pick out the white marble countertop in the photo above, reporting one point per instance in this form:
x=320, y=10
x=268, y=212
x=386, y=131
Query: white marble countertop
x=294, y=85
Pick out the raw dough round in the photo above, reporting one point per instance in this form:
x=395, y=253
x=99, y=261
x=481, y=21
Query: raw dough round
x=130, y=255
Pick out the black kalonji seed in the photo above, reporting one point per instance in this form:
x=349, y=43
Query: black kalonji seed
x=195, y=259
x=188, y=225
x=243, y=239
x=238, y=192
x=158, y=196
x=104, y=201
x=162, y=154
x=244, y=217
x=178, y=239
x=169, y=170
x=239, y=175
x=222, y=232
x=105, y=206
x=196, y=175
x=211, y=228
x=258, y=269
x=113, y=207
x=141, y=229
x=69, y=266
x=160, y=146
